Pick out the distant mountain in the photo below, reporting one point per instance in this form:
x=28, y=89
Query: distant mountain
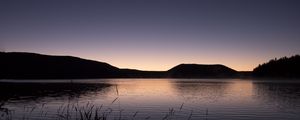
x=132, y=73
x=20, y=65
x=17, y=65
x=279, y=68
x=201, y=71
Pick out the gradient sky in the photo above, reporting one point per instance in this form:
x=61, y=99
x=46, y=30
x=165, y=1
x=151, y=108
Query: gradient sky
x=154, y=34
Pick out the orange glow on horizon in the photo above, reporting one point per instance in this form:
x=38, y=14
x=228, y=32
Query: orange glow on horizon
x=163, y=62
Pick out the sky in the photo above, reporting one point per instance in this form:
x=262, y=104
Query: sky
x=154, y=34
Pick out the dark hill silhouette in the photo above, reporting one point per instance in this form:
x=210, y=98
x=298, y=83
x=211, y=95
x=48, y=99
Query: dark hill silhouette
x=35, y=66
x=20, y=65
x=201, y=71
x=132, y=73
x=279, y=68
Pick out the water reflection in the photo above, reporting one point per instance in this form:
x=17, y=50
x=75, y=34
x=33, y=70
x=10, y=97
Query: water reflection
x=19, y=99
x=216, y=92
x=281, y=95
x=150, y=90
x=204, y=91
x=224, y=99
x=36, y=91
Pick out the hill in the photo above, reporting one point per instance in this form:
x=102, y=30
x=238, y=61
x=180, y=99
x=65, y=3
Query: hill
x=20, y=65
x=132, y=73
x=17, y=65
x=279, y=68
x=201, y=71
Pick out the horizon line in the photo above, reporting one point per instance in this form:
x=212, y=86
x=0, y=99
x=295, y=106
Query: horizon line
x=189, y=63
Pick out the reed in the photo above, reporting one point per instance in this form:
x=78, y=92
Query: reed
x=5, y=113
x=190, y=116
x=181, y=106
x=90, y=111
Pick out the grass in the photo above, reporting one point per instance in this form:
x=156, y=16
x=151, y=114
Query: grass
x=5, y=113
x=89, y=111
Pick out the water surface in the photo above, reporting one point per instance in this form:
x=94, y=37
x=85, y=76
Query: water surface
x=207, y=99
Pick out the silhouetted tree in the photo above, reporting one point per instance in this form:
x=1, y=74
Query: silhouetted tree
x=284, y=68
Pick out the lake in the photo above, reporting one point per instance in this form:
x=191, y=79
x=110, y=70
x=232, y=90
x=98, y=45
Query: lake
x=153, y=99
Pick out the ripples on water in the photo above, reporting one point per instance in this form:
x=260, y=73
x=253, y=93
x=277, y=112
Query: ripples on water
x=210, y=99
